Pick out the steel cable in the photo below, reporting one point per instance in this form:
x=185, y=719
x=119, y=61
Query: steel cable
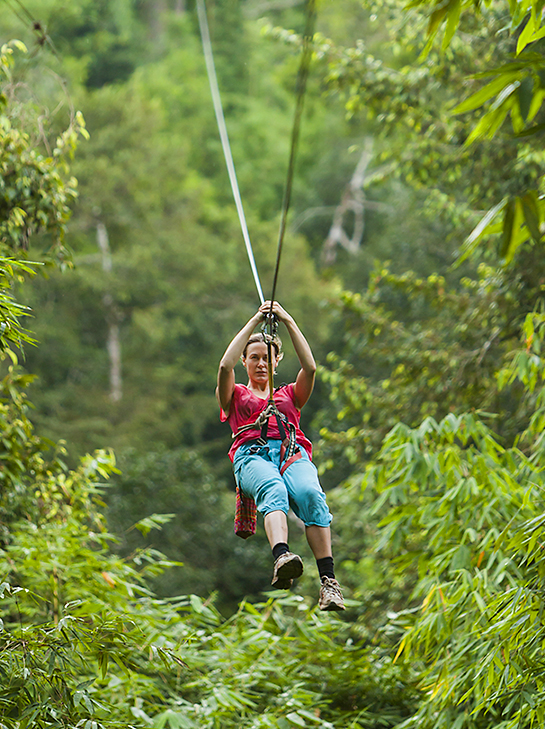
x=216, y=98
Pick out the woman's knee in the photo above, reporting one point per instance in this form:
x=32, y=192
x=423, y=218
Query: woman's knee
x=310, y=505
x=253, y=473
x=264, y=484
x=272, y=495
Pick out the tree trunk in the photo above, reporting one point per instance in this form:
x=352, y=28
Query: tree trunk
x=113, y=318
x=157, y=9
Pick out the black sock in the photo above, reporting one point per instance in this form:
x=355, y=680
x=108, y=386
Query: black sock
x=280, y=548
x=325, y=567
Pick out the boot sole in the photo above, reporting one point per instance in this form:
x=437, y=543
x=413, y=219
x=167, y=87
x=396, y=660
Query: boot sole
x=332, y=607
x=289, y=571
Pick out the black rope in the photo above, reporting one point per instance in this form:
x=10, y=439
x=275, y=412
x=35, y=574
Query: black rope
x=302, y=77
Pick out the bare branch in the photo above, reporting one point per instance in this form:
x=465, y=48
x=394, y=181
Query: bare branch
x=352, y=201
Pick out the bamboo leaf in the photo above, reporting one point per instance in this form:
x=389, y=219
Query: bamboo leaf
x=487, y=92
x=525, y=96
x=507, y=234
x=453, y=20
x=294, y=718
x=400, y=648
x=526, y=36
x=436, y=18
x=486, y=125
x=531, y=215
x=537, y=129
x=518, y=235
x=480, y=229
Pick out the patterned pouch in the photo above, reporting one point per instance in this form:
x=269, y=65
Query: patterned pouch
x=245, y=516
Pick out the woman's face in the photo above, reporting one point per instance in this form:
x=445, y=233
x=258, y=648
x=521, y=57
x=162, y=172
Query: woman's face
x=256, y=362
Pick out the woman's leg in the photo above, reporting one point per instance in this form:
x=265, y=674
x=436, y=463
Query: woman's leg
x=276, y=527
x=287, y=566
x=258, y=476
x=308, y=502
x=319, y=539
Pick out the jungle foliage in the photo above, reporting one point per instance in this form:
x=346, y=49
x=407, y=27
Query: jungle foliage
x=432, y=435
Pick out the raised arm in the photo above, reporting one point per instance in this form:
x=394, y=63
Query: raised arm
x=305, y=378
x=226, y=373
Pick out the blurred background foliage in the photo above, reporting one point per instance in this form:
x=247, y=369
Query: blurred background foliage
x=414, y=265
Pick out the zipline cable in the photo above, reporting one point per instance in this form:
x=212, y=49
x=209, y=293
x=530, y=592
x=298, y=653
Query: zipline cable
x=302, y=77
x=216, y=98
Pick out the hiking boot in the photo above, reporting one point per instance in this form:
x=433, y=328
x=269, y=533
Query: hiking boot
x=331, y=597
x=286, y=568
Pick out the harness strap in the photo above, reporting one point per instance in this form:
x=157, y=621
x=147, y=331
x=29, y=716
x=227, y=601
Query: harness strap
x=289, y=451
x=295, y=457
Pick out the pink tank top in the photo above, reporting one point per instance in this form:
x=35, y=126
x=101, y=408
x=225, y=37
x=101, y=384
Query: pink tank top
x=245, y=407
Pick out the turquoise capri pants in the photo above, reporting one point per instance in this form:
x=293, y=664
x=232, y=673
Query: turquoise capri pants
x=257, y=473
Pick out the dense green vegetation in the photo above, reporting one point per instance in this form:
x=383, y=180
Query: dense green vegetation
x=413, y=262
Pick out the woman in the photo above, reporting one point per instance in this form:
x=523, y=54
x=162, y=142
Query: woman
x=260, y=470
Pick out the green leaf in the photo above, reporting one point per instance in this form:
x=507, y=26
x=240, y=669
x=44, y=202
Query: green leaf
x=172, y=719
x=504, y=94
x=487, y=92
x=487, y=125
x=453, y=20
x=507, y=234
x=480, y=229
x=527, y=33
x=294, y=718
x=528, y=327
x=436, y=18
x=537, y=129
x=531, y=215
x=155, y=521
x=525, y=96
x=518, y=235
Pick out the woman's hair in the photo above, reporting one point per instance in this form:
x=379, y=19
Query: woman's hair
x=259, y=337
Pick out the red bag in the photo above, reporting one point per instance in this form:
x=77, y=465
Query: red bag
x=245, y=516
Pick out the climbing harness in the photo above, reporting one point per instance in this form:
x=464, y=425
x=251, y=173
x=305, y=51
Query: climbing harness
x=289, y=451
